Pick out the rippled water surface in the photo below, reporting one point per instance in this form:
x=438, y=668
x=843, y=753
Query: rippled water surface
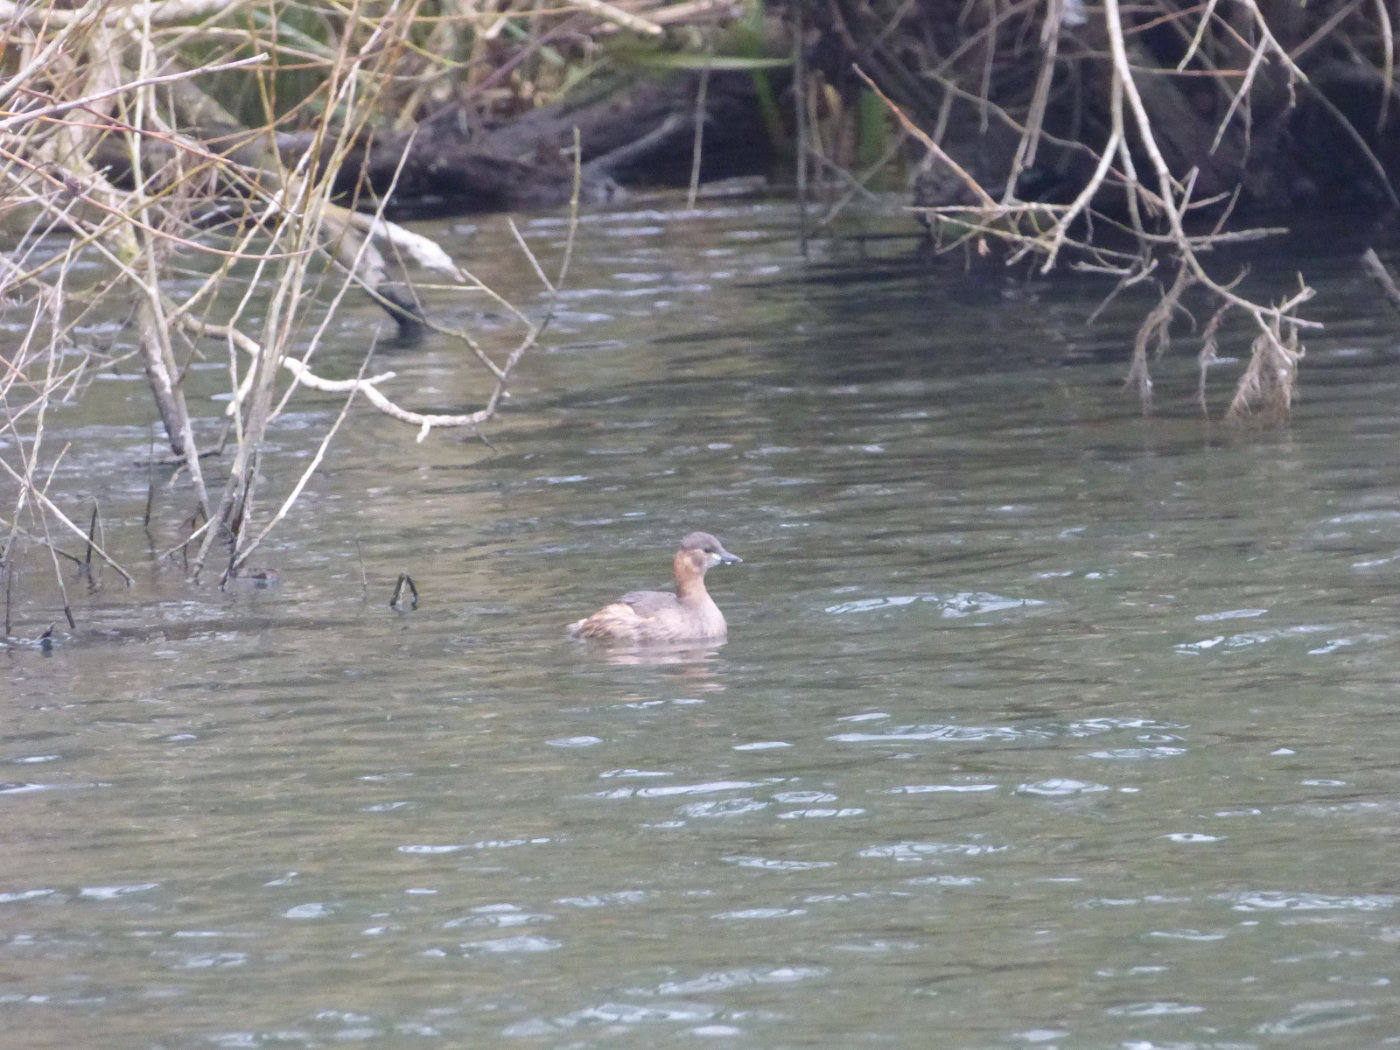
x=1041, y=723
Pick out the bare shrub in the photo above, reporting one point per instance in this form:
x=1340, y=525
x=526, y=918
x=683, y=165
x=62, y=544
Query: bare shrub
x=119, y=144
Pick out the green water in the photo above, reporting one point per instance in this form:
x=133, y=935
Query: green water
x=1040, y=724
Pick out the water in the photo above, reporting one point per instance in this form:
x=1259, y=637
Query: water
x=1041, y=724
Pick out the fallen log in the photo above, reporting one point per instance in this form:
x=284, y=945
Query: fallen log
x=641, y=132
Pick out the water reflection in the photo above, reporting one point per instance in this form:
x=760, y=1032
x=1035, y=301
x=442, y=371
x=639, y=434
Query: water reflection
x=691, y=660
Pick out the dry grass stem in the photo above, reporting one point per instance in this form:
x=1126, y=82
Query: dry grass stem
x=146, y=140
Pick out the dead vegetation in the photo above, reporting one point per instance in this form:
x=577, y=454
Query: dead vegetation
x=122, y=167
x=1127, y=139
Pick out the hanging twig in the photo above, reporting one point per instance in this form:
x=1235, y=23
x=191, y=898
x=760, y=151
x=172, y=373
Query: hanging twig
x=698, y=140
x=1380, y=273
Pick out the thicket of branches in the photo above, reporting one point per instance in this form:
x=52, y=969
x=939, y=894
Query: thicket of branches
x=149, y=138
x=1121, y=138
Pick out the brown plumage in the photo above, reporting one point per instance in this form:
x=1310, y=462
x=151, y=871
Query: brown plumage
x=660, y=616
